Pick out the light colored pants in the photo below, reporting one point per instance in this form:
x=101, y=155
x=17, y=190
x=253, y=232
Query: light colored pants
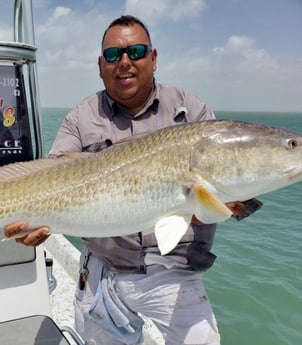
x=174, y=299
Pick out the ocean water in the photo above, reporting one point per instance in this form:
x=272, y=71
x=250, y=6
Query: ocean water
x=255, y=285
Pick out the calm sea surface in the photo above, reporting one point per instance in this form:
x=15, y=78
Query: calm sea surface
x=256, y=283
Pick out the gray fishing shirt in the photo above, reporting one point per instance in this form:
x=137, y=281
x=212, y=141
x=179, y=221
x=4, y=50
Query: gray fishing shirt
x=98, y=122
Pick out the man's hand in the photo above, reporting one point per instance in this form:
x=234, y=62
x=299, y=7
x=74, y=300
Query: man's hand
x=244, y=209
x=33, y=238
x=237, y=208
x=240, y=210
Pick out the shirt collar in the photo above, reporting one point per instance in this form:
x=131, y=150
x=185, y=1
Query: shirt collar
x=112, y=108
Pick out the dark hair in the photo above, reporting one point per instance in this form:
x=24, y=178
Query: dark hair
x=127, y=20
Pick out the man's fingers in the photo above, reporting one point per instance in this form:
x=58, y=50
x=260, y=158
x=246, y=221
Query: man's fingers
x=14, y=229
x=236, y=207
x=31, y=237
x=36, y=237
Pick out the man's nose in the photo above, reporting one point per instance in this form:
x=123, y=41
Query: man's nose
x=125, y=60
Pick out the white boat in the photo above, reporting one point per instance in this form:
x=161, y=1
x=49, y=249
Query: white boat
x=36, y=284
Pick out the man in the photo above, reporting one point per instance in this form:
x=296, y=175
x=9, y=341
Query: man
x=168, y=289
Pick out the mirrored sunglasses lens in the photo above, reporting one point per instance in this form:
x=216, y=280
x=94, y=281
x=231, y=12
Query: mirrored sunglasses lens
x=137, y=51
x=112, y=54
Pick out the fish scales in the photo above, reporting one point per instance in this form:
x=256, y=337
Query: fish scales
x=100, y=187
x=181, y=170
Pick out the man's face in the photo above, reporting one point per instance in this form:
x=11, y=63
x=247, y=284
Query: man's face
x=128, y=82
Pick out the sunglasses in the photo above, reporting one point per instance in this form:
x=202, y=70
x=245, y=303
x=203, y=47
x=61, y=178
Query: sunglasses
x=134, y=52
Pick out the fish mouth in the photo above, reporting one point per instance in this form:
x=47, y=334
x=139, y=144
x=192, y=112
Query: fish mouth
x=294, y=173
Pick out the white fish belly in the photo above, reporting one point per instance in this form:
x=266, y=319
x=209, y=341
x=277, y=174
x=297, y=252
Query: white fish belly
x=119, y=216
x=109, y=216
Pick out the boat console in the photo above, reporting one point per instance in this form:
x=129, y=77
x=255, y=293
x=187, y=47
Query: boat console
x=25, y=313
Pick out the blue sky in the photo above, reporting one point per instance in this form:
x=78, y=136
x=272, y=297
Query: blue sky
x=233, y=54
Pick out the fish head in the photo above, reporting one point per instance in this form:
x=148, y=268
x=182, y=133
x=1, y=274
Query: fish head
x=239, y=160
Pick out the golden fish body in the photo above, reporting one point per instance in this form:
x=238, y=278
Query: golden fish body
x=181, y=170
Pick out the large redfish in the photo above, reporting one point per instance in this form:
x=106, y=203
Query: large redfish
x=150, y=182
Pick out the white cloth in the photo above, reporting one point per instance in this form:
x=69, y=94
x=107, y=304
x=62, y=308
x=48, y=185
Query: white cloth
x=109, y=313
x=174, y=299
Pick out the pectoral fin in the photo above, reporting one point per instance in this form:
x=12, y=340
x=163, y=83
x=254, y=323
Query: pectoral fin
x=169, y=231
x=206, y=206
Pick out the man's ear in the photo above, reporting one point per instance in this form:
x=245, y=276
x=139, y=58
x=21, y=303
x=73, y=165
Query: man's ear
x=100, y=62
x=154, y=59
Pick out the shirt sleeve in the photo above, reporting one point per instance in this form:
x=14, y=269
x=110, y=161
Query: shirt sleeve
x=68, y=138
x=197, y=109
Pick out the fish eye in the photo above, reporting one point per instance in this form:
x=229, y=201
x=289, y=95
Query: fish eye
x=292, y=144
